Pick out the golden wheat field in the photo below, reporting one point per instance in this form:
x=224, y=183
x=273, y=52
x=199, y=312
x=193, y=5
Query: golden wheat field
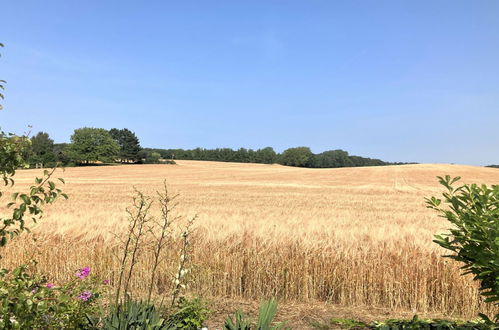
x=349, y=236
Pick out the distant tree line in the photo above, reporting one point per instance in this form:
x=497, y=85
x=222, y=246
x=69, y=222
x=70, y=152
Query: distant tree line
x=97, y=145
x=242, y=155
x=494, y=166
x=299, y=156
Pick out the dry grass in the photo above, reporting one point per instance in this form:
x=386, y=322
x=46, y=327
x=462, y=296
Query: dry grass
x=351, y=236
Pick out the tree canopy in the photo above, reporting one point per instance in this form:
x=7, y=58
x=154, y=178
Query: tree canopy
x=299, y=156
x=42, y=149
x=129, y=144
x=333, y=158
x=91, y=145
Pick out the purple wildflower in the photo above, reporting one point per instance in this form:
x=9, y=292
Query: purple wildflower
x=106, y=282
x=35, y=290
x=50, y=285
x=85, y=295
x=82, y=273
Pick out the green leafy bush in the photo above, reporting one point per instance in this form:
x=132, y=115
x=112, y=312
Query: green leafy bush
x=349, y=323
x=11, y=155
x=188, y=314
x=473, y=211
x=28, y=205
x=417, y=323
x=414, y=323
x=29, y=301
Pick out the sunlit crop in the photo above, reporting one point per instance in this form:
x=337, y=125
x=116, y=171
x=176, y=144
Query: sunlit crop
x=350, y=236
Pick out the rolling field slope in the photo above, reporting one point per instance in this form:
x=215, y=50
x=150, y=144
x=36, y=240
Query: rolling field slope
x=349, y=236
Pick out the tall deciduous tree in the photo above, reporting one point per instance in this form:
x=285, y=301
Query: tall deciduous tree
x=92, y=144
x=129, y=144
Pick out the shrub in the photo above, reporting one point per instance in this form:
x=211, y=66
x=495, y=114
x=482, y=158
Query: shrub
x=417, y=323
x=152, y=158
x=30, y=301
x=188, y=314
x=349, y=323
x=473, y=211
x=414, y=323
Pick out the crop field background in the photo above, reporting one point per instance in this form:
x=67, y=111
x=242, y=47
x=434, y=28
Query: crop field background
x=348, y=236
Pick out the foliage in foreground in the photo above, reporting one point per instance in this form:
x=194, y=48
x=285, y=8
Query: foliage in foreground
x=134, y=315
x=473, y=211
x=414, y=323
x=266, y=314
x=29, y=301
x=188, y=314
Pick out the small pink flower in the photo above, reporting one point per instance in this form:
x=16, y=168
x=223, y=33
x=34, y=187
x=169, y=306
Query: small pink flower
x=50, y=285
x=85, y=295
x=82, y=273
x=106, y=282
x=35, y=290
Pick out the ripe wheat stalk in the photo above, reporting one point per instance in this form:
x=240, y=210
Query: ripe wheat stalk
x=353, y=237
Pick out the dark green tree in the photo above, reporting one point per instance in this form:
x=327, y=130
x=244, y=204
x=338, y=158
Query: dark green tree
x=91, y=145
x=266, y=156
x=42, y=150
x=129, y=144
x=332, y=158
x=60, y=152
x=363, y=161
x=242, y=155
x=299, y=156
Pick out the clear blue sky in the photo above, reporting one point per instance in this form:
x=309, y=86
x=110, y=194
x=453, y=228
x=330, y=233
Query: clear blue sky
x=396, y=80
